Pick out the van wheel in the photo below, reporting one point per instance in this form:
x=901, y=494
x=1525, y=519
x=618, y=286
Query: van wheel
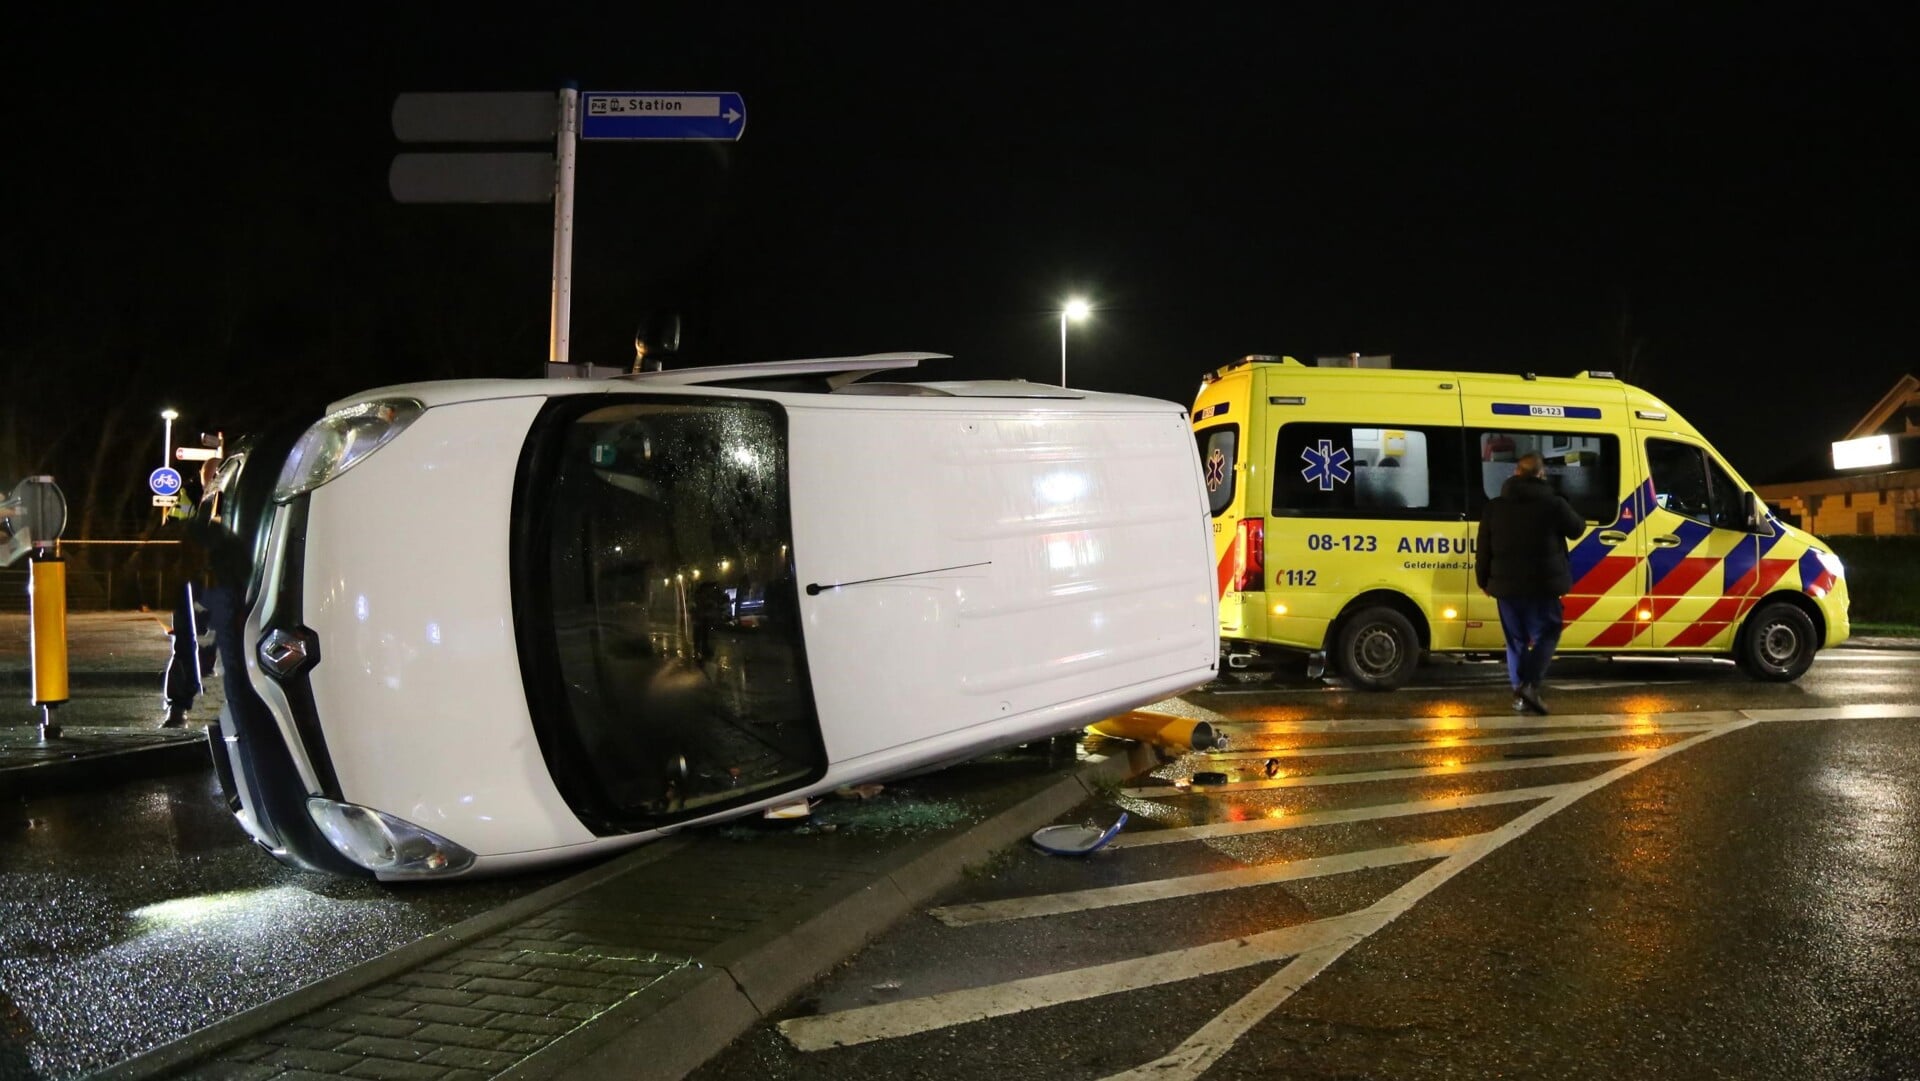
x=1777, y=643
x=1378, y=648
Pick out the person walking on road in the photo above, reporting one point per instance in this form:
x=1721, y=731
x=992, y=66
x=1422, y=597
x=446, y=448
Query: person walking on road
x=1520, y=560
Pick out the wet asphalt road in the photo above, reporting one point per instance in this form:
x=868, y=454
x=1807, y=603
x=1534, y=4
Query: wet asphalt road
x=133, y=915
x=1680, y=891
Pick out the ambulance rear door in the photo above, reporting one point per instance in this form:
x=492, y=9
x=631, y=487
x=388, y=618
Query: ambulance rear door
x=1223, y=427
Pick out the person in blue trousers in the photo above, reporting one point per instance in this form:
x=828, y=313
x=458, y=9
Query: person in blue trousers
x=1521, y=562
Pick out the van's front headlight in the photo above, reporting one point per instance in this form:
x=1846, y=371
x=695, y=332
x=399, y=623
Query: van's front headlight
x=1832, y=563
x=384, y=844
x=340, y=440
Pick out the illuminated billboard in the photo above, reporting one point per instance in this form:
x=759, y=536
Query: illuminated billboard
x=1873, y=450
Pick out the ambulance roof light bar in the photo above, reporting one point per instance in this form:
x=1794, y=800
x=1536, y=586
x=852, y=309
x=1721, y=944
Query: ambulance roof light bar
x=1250, y=358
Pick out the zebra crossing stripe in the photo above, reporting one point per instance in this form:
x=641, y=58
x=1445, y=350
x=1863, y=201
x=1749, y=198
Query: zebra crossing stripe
x=1240, y=728
x=1310, y=946
x=866, y=1024
x=1315, y=780
x=1441, y=743
x=1164, y=889
x=1201, y=1050
x=1333, y=818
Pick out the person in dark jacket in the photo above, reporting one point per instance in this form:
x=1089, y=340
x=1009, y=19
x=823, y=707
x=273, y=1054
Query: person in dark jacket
x=1521, y=562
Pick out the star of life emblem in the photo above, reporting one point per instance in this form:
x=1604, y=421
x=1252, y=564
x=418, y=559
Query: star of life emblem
x=1326, y=465
x=1216, y=469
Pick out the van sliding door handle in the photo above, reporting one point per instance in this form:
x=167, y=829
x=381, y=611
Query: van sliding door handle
x=1612, y=536
x=1667, y=541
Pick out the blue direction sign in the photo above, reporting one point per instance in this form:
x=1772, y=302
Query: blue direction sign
x=164, y=481
x=661, y=114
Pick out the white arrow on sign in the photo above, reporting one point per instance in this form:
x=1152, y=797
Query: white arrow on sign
x=195, y=454
x=166, y=501
x=731, y=116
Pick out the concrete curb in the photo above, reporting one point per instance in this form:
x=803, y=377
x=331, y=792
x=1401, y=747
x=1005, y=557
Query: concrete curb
x=93, y=771
x=692, y=1015
x=1874, y=641
x=82, y=680
x=203, y=1043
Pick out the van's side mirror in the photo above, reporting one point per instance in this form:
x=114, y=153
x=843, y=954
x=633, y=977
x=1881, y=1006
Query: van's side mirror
x=1756, y=513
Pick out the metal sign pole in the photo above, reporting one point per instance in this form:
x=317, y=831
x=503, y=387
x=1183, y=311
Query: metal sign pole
x=569, y=134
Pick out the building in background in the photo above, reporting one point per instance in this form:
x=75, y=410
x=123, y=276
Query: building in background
x=1871, y=485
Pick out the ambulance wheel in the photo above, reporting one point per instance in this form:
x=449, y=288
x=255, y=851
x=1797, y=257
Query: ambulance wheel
x=1378, y=649
x=1777, y=644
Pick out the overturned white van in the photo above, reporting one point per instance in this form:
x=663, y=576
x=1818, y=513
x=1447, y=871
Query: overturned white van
x=499, y=624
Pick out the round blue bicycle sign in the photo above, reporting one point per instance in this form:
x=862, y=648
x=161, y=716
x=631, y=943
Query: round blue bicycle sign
x=164, y=480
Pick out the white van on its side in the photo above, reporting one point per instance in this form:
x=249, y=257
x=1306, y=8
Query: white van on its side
x=506, y=623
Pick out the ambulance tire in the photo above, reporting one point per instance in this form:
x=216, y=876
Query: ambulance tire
x=1378, y=649
x=1777, y=643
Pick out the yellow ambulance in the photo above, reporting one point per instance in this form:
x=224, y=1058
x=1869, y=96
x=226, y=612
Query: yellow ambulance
x=1346, y=504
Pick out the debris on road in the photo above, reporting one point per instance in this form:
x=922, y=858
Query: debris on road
x=1076, y=840
x=1177, y=734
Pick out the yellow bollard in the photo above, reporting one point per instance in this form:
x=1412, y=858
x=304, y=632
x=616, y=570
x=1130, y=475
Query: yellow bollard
x=47, y=601
x=1177, y=734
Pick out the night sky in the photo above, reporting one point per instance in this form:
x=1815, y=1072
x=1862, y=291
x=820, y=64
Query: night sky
x=1714, y=204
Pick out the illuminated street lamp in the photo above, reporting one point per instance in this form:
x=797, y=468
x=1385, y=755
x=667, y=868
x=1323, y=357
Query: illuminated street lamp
x=166, y=439
x=1075, y=310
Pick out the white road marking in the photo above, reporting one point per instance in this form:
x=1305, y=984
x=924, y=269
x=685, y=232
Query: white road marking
x=1333, y=818
x=1163, y=889
x=1835, y=713
x=1313, y=946
x=864, y=1024
x=1467, y=724
x=1440, y=743
x=1314, y=780
x=1204, y=1048
x=1492, y=679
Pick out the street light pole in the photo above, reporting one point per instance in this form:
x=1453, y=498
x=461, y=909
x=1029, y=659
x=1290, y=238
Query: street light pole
x=166, y=438
x=1075, y=310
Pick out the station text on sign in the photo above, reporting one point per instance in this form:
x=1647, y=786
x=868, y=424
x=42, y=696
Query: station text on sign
x=638, y=104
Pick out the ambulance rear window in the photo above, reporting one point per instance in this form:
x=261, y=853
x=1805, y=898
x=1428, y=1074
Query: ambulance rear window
x=1218, y=445
x=1371, y=471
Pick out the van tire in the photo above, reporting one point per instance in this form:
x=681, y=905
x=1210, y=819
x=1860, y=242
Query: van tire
x=1777, y=643
x=1378, y=649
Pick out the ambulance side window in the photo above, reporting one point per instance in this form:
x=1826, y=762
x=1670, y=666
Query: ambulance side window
x=1729, y=511
x=1583, y=467
x=1679, y=476
x=1217, y=448
x=1354, y=471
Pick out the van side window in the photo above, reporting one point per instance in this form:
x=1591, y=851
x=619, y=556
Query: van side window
x=1679, y=474
x=1341, y=470
x=1583, y=467
x=1218, y=446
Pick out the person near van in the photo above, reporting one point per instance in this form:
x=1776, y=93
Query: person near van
x=214, y=564
x=1520, y=560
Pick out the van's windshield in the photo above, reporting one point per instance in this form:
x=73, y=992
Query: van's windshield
x=656, y=607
